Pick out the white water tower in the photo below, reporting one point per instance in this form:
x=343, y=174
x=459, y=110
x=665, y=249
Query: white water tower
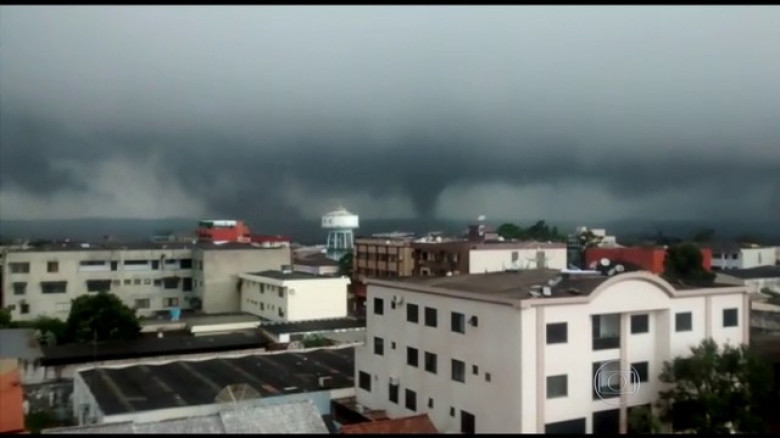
x=340, y=224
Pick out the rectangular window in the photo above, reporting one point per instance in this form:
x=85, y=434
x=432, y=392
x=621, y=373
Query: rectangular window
x=128, y=282
x=98, y=285
x=412, y=357
x=379, y=346
x=143, y=304
x=606, y=331
x=430, y=402
x=458, y=371
x=379, y=306
x=262, y=306
x=639, y=371
x=19, y=267
x=411, y=400
x=640, y=324
x=186, y=284
x=114, y=266
x=392, y=391
x=155, y=265
x=24, y=308
x=185, y=264
x=430, y=317
x=147, y=281
x=20, y=288
x=116, y=282
x=683, y=322
x=364, y=381
x=458, y=323
x=281, y=292
x=557, y=333
x=137, y=281
x=280, y=312
x=412, y=313
x=171, y=302
x=475, y=370
x=157, y=282
x=171, y=282
x=200, y=265
x=127, y=262
x=54, y=287
x=52, y=267
x=730, y=318
x=557, y=386
x=430, y=362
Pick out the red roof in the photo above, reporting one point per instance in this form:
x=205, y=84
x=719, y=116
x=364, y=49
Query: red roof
x=415, y=424
x=11, y=398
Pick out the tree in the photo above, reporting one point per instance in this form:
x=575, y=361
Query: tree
x=101, y=317
x=50, y=331
x=313, y=341
x=345, y=265
x=510, y=231
x=5, y=318
x=684, y=263
x=715, y=391
x=642, y=421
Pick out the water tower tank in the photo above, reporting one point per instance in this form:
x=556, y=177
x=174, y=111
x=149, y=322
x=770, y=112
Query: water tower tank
x=340, y=224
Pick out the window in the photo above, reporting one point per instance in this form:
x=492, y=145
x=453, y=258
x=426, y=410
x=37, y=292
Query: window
x=54, y=287
x=128, y=282
x=730, y=318
x=392, y=391
x=430, y=317
x=262, y=306
x=155, y=265
x=147, y=281
x=379, y=346
x=137, y=281
x=458, y=324
x=280, y=312
x=606, y=331
x=430, y=402
x=557, y=333
x=683, y=322
x=392, y=345
x=430, y=362
x=565, y=427
x=412, y=358
x=20, y=288
x=412, y=313
x=281, y=292
x=557, y=386
x=116, y=282
x=467, y=423
x=114, y=266
x=640, y=324
x=475, y=370
x=171, y=302
x=364, y=381
x=458, y=371
x=157, y=282
x=262, y=288
x=379, y=306
x=142, y=304
x=52, y=267
x=452, y=411
x=411, y=400
x=19, y=267
x=186, y=284
x=200, y=265
x=171, y=282
x=487, y=377
x=98, y=285
x=185, y=264
x=641, y=369
x=24, y=308
x=127, y=263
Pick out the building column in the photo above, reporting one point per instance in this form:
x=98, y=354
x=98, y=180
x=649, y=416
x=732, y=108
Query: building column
x=625, y=329
x=541, y=375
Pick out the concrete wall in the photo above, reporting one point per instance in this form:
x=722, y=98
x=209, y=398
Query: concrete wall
x=746, y=258
x=129, y=282
x=510, y=344
x=217, y=282
x=497, y=260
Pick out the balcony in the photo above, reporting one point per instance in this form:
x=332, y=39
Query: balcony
x=606, y=331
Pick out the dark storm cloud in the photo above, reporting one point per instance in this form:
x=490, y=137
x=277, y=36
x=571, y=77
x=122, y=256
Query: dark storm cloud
x=237, y=102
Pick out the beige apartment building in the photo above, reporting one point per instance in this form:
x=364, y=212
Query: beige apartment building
x=389, y=255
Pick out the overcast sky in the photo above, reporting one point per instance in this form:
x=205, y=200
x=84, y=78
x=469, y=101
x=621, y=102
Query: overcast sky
x=567, y=113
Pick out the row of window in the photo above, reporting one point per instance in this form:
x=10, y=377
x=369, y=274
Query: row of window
x=557, y=333
x=60, y=287
x=410, y=400
x=54, y=266
x=263, y=306
x=604, y=382
x=144, y=303
x=457, y=367
x=457, y=320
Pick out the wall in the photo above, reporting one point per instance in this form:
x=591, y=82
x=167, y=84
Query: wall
x=498, y=260
x=300, y=300
x=650, y=259
x=493, y=347
x=746, y=258
x=218, y=281
x=123, y=279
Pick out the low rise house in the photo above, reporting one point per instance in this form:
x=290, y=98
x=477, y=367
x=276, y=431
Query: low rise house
x=742, y=256
x=533, y=351
x=286, y=295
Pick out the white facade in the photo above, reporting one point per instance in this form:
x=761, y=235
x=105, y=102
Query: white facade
x=43, y=283
x=300, y=297
x=744, y=258
x=496, y=260
x=507, y=359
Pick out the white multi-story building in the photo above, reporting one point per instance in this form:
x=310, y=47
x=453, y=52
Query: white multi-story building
x=287, y=295
x=532, y=351
x=149, y=277
x=742, y=256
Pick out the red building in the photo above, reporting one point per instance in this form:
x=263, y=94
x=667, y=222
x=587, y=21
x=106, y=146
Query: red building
x=223, y=231
x=649, y=258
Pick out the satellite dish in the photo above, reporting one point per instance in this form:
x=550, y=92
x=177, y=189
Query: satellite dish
x=605, y=262
x=620, y=268
x=237, y=393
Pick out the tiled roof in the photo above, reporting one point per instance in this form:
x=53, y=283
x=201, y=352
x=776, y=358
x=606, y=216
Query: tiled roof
x=415, y=424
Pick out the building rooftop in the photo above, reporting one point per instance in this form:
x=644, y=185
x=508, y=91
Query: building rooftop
x=19, y=344
x=298, y=418
x=517, y=285
x=149, y=347
x=188, y=383
x=290, y=275
x=414, y=424
x=312, y=326
x=55, y=246
x=769, y=271
x=315, y=259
